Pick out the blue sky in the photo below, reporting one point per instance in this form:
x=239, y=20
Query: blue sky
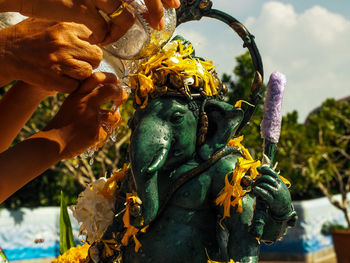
x=307, y=40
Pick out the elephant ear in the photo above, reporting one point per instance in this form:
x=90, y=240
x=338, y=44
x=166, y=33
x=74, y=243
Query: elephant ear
x=223, y=121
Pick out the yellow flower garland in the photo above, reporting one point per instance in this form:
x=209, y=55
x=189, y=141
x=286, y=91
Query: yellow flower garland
x=233, y=192
x=74, y=255
x=174, y=58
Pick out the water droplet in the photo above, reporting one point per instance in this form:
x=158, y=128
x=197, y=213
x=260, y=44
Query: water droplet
x=113, y=135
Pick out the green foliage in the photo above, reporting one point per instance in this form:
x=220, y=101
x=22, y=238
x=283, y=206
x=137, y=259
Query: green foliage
x=45, y=191
x=66, y=232
x=314, y=156
x=329, y=227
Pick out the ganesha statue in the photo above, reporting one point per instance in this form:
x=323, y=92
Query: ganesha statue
x=192, y=192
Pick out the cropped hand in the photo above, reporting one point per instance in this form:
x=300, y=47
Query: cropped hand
x=155, y=17
x=273, y=191
x=78, y=123
x=51, y=55
x=87, y=12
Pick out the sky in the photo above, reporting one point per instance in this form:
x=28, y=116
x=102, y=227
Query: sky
x=307, y=40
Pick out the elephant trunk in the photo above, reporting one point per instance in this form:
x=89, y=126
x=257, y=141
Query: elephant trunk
x=149, y=150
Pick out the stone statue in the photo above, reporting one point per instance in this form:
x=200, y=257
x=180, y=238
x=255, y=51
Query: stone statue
x=183, y=166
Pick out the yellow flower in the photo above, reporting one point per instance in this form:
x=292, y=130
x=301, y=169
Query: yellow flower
x=111, y=184
x=74, y=255
x=131, y=231
x=212, y=261
x=232, y=193
x=174, y=58
x=239, y=103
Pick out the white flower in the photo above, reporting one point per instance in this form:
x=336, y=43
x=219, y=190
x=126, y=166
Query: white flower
x=94, y=210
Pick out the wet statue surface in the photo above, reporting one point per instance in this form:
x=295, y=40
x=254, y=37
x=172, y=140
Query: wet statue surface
x=183, y=166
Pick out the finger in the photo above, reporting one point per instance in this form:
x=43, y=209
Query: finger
x=155, y=14
x=107, y=6
x=91, y=30
x=171, y=3
x=122, y=98
x=96, y=23
x=109, y=120
x=96, y=79
x=269, y=188
x=53, y=80
x=267, y=170
x=89, y=53
x=99, y=30
x=104, y=93
x=266, y=179
x=263, y=194
x=119, y=26
x=76, y=69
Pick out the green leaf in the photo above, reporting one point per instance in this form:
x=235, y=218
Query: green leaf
x=66, y=233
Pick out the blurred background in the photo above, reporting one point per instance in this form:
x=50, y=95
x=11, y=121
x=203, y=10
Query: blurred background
x=308, y=41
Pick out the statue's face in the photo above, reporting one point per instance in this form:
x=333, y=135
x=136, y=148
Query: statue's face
x=164, y=137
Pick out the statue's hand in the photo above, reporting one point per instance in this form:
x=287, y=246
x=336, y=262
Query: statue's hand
x=274, y=192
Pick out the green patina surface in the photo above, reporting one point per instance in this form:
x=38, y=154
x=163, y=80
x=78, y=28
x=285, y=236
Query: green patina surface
x=187, y=229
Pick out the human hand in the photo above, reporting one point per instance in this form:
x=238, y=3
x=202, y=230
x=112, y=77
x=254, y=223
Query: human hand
x=87, y=12
x=78, y=124
x=154, y=16
x=273, y=191
x=54, y=56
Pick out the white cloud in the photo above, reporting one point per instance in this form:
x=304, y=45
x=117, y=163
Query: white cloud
x=311, y=48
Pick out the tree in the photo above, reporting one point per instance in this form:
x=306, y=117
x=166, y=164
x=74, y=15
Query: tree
x=328, y=162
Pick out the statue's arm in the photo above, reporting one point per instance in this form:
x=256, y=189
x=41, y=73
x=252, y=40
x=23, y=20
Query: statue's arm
x=233, y=231
x=236, y=229
x=277, y=210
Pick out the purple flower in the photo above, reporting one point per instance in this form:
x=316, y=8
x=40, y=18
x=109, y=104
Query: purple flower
x=271, y=123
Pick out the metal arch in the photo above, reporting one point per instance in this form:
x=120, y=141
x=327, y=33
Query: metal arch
x=194, y=10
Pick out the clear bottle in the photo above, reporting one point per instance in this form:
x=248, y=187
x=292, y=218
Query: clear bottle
x=141, y=40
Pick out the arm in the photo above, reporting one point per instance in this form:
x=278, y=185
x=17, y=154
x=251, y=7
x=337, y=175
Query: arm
x=26, y=160
x=237, y=225
x=75, y=127
x=19, y=103
x=233, y=231
x=275, y=194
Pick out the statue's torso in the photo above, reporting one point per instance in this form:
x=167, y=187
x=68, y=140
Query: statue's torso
x=187, y=229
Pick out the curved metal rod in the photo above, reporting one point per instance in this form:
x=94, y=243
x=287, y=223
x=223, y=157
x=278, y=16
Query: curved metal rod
x=196, y=12
x=249, y=43
x=244, y=34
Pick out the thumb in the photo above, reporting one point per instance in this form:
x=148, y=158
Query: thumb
x=106, y=93
x=97, y=79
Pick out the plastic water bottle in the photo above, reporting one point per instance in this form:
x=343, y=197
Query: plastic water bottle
x=142, y=41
